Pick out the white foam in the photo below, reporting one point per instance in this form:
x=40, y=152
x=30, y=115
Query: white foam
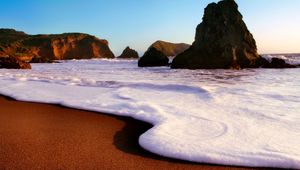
x=293, y=60
x=244, y=118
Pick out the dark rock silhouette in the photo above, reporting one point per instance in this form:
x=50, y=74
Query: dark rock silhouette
x=38, y=59
x=46, y=48
x=170, y=49
x=153, y=58
x=129, y=53
x=13, y=63
x=222, y=41
x=278, y=63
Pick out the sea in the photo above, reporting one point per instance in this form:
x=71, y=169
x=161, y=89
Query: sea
x=248, y=117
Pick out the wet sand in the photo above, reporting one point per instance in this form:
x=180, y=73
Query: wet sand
x=43, y=136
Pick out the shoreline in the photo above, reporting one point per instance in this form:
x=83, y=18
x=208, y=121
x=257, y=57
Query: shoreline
x=49, y=136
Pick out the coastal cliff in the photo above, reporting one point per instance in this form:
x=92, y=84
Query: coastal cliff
x=44, y=48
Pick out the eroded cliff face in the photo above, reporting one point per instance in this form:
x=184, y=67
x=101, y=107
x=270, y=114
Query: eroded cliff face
x=170, y=49
x=222, y=41
x=42, y=48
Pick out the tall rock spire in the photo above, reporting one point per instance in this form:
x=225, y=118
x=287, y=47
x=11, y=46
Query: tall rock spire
x=222, y=41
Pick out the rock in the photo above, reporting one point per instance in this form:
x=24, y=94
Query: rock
x=153, y=58
x=52, y=47
x=13, y=63
x=222, y=41
x=170, y=49
x=38, y=59
x=278, y=63
x=129, y=53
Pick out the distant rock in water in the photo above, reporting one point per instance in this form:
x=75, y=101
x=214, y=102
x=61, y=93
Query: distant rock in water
x=222, y=41
x=153, y=58
x=170, y=49
x=38, y=59
x=13, y=63
x=129, y=53
x=278, y=63
x=45, y=48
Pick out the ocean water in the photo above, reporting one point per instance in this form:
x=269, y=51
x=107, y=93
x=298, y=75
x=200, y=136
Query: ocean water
x=247, y=117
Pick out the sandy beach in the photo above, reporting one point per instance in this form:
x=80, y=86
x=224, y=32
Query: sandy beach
x=42, y=136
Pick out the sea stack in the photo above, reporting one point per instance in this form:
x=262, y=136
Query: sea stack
x=222, y=41
x=129, y=54
x=153, y=58
x=170, y=49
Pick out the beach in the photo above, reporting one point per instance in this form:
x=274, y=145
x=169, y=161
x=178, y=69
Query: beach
x=167, y=85
x=43, y=136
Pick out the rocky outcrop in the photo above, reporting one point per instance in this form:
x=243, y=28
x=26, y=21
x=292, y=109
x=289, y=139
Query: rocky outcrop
x=129, y=53
x=153, y=58
x=38, y=59
x=278, y=63
x=222, y=41
x=170, y=49
x=13, y=63
x=52, y=47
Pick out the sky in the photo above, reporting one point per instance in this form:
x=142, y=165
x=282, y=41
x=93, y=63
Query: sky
x=275, y=24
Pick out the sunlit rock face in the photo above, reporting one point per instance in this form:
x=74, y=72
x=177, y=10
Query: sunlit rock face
x=13, y=63
x=42, y=48
x=222, y=41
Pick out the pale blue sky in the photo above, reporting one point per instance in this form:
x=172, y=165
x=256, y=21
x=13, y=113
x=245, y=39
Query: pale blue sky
x=138, y=23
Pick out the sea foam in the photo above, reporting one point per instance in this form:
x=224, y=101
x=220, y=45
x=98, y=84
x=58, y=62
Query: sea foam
x=248, y=117
x=292, y=59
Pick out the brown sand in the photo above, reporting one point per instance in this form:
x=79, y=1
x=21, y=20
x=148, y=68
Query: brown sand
x=41, y=136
